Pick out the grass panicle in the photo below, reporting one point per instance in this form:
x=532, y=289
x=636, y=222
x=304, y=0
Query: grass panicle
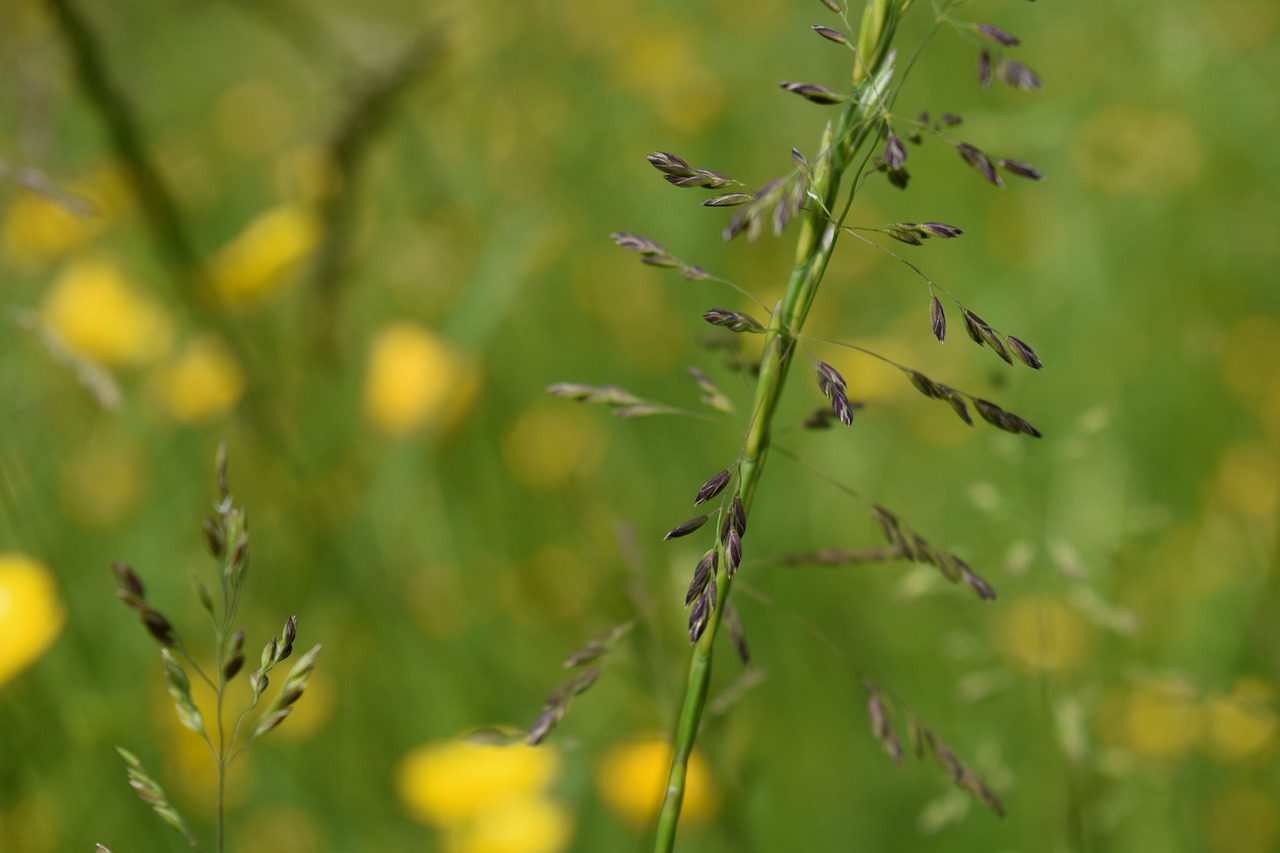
x=226, y=537
x=862, y=136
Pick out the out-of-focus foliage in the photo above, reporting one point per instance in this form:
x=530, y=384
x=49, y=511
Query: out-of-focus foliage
x=450, y=533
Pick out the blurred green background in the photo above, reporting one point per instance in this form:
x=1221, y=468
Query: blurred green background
x=381, y=311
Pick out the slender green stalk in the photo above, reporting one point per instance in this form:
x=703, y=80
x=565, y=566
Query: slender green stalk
x=124, y=131
x=818, y=234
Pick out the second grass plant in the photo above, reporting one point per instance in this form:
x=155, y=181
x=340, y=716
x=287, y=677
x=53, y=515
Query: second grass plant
x=865, y=138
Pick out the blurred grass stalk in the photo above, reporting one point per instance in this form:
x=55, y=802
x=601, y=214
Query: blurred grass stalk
x=844, y=146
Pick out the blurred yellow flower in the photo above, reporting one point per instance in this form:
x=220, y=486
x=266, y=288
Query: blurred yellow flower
x=101, y=483
x=262, y=258
x=37, y=228
x=1160, y=719
x=514, y=825
x=664, y=65
x=1248, y=480
x=101, y=316
x=1242, y=820
x=1127, y=147
x=278, y=829
x=31, y=614
x=1041, y=633
x=455, y=782
x=552, y=443
x=632, y=778
x=40, y=226
x=201, y=384
x=415, y=379
x=1242, y=723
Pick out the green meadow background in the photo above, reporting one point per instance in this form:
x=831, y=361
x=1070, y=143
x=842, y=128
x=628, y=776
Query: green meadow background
x=450, y=533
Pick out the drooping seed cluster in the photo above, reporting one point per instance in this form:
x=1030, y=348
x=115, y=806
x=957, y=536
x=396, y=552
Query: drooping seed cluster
x=833, y=387
x=923, y=739
x=557, y=703
x=1014, y=74
x=916, y=548
x=701, y=596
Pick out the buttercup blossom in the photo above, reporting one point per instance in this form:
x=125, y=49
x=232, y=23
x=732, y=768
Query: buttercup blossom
x=1042, y=634
x=49, y=224
x=485, y=797
x=99, y=315
x=31, y=613
x=414, y=379
x=632, y=778
x=264, y=257
x=202, y=383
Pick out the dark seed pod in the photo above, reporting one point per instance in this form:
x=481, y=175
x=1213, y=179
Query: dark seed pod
x=1022, y=170
x=215, y=539
x=997, y=35
x=831, y=35
x=1024, y=353
x=698, y=617
x=727, y=200
x=939, y=229
x=938, y=320
x=232, y=667
x=1017, y=75
x=669, y=164
x=979, y=161
x=831, y=375
x=713, y=487
x=159, y=627
x=732, y=552
x=814, y=92
x=841, y=406
x=895, y=152
x=128, y=581
x=984, y=69
x=973, y=324
x=685, y=528
x=542, y=726
x=739, y=515
x=636, y=243
x=903, y=235
x=923, y=384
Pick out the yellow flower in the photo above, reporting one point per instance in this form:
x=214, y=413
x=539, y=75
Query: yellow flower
x=519, y=824
x=262, y=258
x=39, y=226
x=31, y=614
x=453, y=783
x=277, y=829
x=101, y=483
x=201, y=384
x=1242, y=820
x=632, y=778
x=1155, y=719
x=552, y=443
x=415, y=379
x=102, y=317
x=1248, y=480
x=1042, y=634
x=1242, y=723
